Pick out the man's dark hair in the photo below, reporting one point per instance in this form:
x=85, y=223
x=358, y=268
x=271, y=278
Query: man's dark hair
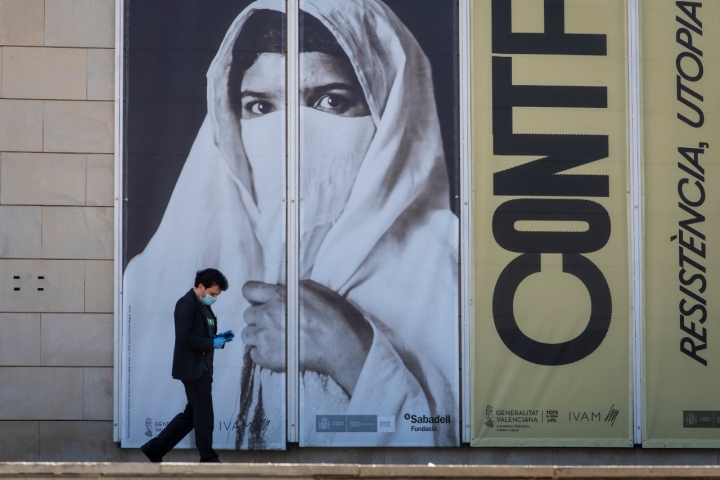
x=211, y=277
x=264, y=32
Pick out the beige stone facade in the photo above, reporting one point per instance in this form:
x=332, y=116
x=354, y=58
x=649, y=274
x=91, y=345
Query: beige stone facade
x=56, y=258
x=56, y=229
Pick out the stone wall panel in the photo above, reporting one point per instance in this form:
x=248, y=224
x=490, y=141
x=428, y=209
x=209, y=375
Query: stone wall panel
x=43, y=179
x=99, y=286
x=19, y=441
x=19, y=339
x=22, y=22
x=78, y=442
x=101, y=74
x=42, y=285
x=78, y=127
x=42, y=73
x=77, y=232
x=37, y=393
x=20, y=227
x=98, y=394
x=100, y=181
x=21, y=125
x=80, y=23
x=72, y=339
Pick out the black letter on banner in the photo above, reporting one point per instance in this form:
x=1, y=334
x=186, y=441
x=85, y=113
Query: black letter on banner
x=681, y=70
x=692, y=12
x=563, y=152
x=701, y=116
x=591, y=240
x=552, y=353
x=554, y=41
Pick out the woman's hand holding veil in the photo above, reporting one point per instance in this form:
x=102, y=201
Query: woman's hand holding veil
x=335, y=335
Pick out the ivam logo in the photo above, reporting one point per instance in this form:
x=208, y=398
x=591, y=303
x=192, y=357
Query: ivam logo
x=584, y=416
x=610, y=417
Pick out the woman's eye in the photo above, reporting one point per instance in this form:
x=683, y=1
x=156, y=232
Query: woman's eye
x=260, y=108
x=331, y=102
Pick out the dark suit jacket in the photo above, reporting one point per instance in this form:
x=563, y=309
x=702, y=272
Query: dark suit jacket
x=193, y=338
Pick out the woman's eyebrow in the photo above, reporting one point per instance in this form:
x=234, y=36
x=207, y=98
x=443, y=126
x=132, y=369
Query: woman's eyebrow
x=336, y=85
x=250, y=93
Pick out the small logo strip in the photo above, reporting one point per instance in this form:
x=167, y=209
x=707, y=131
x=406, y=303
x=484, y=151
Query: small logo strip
x=354, y=423
x=701, y=419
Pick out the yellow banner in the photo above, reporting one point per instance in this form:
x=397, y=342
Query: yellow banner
x=552, y=323
x=681, y=116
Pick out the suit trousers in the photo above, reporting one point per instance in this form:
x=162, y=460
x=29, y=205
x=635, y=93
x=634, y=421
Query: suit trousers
x=198, y=414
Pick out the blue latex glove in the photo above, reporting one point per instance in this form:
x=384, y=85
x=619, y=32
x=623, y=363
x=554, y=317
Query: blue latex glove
x=229, y=335
x=219, y=342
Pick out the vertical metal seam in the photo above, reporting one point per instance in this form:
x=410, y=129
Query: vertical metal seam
x=465, y=298
x=118, y=214
x=293, y=154
x=636, y=195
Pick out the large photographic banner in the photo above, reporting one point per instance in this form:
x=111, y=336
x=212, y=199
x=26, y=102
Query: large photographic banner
x=551, y=342
x=204, y=181
x=205, y=186
x=681, y=117
x=379, y=341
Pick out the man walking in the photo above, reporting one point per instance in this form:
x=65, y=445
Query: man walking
x=196, y=339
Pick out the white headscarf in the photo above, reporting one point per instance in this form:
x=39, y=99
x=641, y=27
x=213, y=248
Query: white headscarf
x=392, y=252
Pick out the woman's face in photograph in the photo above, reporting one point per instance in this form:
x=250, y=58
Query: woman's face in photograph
x=327, y=83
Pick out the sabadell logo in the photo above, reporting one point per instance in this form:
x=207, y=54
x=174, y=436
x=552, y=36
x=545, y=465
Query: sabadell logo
x=425, y=419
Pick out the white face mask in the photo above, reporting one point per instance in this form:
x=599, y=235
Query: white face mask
x=332, y=149
x=264, y=142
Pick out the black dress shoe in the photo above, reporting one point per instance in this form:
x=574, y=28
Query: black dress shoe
x=153, y=458
x=211, y=460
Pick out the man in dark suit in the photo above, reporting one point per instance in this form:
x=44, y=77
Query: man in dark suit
x=196, y=339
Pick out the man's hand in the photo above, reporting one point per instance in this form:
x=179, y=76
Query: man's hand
x=229, y=335
x=219, y=342
x=335, y=338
